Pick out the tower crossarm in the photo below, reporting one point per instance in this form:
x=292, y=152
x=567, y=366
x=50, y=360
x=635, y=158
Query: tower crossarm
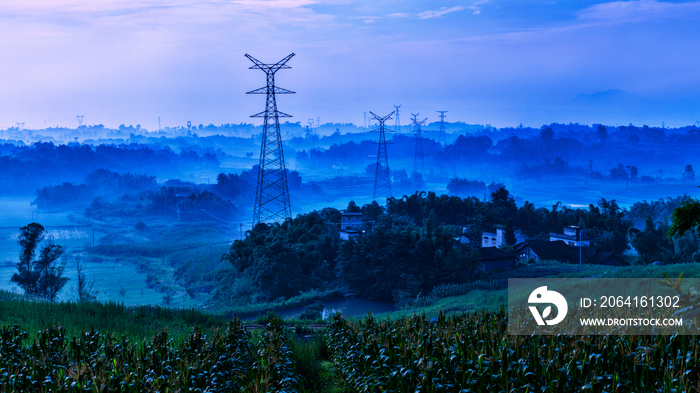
x=269, y=68
x=380, y=119
x=273, y=89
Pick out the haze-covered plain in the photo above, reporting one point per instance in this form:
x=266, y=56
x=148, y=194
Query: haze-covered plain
x=154, y=214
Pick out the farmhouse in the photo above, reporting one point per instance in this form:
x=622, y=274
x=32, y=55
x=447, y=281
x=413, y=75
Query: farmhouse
x=493, y=258
x=490, y=239
x=559, y=250
x=351, y=225
x=573, y=236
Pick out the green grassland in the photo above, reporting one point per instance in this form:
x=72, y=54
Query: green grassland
x=493, y=300
x=138, y=323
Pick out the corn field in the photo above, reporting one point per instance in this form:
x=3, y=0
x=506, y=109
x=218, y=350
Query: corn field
x=225, y=362
x=473, y=353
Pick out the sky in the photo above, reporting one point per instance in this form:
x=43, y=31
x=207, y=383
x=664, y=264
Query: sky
x=498, y=62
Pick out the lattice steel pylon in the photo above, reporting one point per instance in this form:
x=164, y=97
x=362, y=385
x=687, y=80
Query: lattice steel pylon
x=397, y=124
x=418, y=162
x=272, y=193
x=382, y=176
x=442, y=138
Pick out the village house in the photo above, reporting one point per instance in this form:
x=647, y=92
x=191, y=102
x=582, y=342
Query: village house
x=559, y=250
x=572, y=236
x=465, y=240
x=490, y=239
x=351, y=225
x=493, y=258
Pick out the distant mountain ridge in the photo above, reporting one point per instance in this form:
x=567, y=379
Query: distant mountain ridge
x=623, y=107
x=607, y=97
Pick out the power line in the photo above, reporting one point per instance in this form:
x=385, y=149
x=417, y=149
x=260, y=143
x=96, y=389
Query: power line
x=272, y=192
x=382, y=176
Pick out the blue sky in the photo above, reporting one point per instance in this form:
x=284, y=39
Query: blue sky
x=489, y=62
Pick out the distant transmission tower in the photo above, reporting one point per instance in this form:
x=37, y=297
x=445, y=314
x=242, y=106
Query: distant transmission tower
x=189, y=128
x=382, y=178
x=272, y=193
x=20, y=126
x=418, y=163
x=80, y=120
x=442, y=138
x=364, y=120
x=397, y=124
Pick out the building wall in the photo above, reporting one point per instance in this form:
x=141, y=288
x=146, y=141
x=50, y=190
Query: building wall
x=489, y=239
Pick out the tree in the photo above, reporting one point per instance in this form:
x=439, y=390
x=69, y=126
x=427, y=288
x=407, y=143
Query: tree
x=84, y=286
x=510, y=233
x=689, y=173
x=633, y=172
x=685, y=218
x=352, y=208
x=42, y=277
x=650, y=243
x=547, y=134
x=602, y=132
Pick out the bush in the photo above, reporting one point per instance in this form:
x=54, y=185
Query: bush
x=312, y=312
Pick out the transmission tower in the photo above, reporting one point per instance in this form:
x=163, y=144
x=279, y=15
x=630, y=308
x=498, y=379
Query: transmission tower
x=272, y=192
x=442, y=138
x=20, y=126
x=80, y=120
x=418, y=163
x=382, y=178
x=397, y=125
x=364, y=120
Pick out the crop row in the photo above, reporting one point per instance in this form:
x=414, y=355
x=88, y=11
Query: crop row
x=225, y=361
x=473, y=353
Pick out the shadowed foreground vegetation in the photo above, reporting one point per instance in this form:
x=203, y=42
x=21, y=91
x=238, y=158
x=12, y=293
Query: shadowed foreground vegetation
x=472, y=353
x=137, y=323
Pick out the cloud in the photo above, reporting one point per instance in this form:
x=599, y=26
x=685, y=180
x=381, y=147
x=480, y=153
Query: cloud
x=438, y=13
x=638, y=11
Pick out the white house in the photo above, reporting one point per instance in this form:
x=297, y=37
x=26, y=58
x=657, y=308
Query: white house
x=351, y=225
x=489, y=239
x=572, y=236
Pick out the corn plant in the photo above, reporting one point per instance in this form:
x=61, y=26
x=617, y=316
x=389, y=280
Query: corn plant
x=224, y=362
x=473, y=353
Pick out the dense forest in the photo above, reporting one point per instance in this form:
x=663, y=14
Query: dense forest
x=413, y=247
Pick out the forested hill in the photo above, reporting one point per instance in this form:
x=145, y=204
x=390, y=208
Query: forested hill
x=25, y=168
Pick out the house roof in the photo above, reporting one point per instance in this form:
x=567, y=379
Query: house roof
x=584, y=237
x=557, y=250
x=491, y=253
x=598, y=257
